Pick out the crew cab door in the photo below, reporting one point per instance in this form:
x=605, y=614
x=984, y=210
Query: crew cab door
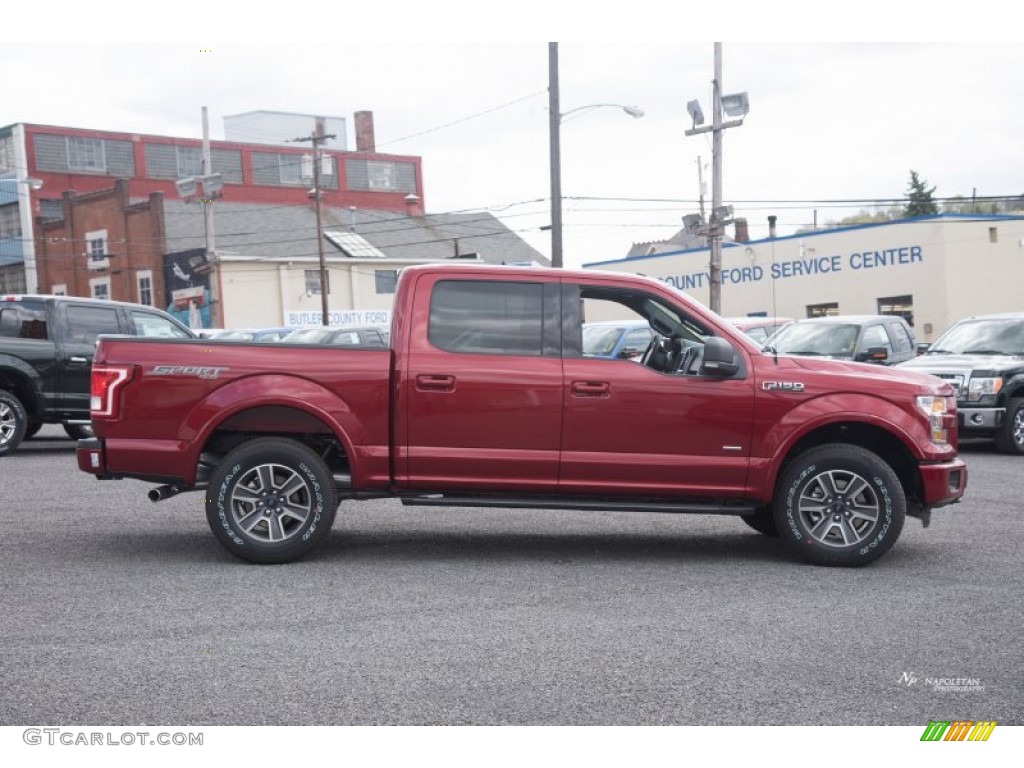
x=81, y=324
x=632, y=429
x=481, y=391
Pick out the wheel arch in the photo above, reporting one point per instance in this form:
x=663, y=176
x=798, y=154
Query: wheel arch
x=22, y=381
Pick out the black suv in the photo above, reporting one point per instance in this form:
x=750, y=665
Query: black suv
x=46, y=349
x=983, y=359
x=883, y=339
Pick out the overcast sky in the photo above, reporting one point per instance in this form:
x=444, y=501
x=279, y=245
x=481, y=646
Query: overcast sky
x=828, y=121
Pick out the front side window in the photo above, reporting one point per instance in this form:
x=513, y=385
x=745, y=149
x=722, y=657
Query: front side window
x=875, y=336
x=150, y=324
x=487, y=317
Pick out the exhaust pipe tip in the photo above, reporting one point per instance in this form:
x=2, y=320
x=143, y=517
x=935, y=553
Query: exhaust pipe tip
x=162, y=492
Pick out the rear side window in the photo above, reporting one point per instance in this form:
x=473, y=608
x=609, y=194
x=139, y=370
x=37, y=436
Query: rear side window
x=23, y=320
x=903, y=340
x=85, y=324
x=151, y=324
x=487, y=317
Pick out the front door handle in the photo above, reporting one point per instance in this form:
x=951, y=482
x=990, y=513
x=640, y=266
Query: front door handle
x=78, y=360
x=434, y=382
x=591, y=388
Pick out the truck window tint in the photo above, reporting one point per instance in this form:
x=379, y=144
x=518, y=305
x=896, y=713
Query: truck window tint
x=85, y=324
x=487, y=317
x=23, y=320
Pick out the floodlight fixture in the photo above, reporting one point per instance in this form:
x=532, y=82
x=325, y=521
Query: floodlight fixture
x=692, y=222
x=693, y=107
x=736, y=104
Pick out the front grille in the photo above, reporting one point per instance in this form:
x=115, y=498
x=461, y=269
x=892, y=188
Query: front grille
x=955, y=380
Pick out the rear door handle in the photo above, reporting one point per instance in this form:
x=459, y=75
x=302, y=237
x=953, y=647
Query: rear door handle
x=78, y=360
x=591, y=388
x=433, y=382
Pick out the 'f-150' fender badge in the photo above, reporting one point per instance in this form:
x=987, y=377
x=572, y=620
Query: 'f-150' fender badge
x=199, y=371
x=782, y=386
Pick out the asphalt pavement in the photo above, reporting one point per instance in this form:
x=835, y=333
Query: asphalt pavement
x=118, y=611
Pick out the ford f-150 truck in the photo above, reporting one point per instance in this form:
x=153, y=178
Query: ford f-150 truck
x=485, y=399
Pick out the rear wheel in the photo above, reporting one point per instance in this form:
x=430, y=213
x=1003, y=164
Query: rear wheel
x=840, y=505
x=13, y=422
x=78, y=431
x=1010, y=439
x=271, y=501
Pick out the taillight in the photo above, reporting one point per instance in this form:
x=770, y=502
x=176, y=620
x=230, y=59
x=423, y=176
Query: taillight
x=105, y=382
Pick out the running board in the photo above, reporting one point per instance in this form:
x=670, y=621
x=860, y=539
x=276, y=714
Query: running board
x=588, y=504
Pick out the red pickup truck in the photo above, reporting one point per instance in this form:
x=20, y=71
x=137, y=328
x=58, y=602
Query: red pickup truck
x=486, y=399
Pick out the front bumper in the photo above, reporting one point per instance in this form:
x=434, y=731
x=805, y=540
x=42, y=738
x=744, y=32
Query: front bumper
x=943, y=483
x=980, y=418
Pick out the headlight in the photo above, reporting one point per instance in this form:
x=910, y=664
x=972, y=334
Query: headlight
x=978, y=388
x=940, y=414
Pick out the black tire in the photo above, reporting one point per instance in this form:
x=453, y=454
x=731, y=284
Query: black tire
x=78, y=431
x=289, y=483
x=13, y=422
x=33, y=427
x=839, y=505
x=762, y=521
x=1010, y=437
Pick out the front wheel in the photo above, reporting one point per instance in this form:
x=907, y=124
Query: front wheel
x=1010, y=438
x=13, y=422
x=271, y=501
x=840, y=505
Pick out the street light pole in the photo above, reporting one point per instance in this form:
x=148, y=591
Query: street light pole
x=555, y=117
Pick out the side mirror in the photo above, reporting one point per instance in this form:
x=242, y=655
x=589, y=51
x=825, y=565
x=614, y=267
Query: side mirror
x=628, y=352
x=873, y=355
x=923, y=347
x=719, y=358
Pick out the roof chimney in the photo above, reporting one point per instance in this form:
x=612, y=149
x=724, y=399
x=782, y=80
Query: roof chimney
x=365, y=141
x=771, y=226
x=412, y=205
x=742, y=231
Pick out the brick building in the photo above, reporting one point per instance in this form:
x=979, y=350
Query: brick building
x=104, y=245
x=275, y=173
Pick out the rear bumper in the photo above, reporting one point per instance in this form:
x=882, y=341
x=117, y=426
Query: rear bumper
x=91, y=457
x=943, y=484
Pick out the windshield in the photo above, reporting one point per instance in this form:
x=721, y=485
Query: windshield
x=599, y=341
x=982, y=337
x=826, y=339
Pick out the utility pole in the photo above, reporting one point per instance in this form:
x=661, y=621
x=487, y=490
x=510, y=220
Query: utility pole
x=555, y=128
x=318, y=138
x=720, y=215
x=216, y=309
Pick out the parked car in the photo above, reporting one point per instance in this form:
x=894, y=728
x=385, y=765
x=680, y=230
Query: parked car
x=616, y=339
x=254, y=334
x=883, y=339
x=47, y=345
x=345, y=336
x=983, y=359
x=759, y=328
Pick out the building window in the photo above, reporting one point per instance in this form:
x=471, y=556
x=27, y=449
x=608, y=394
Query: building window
x=6, y=154
x=380, y=175
x=901, y=306
x=145, y=281
x=59, y=289
x=313, y=282
x=99, y=287
x=823, y=310
x=96, y=249
x=10, y=222
x=385, y=280
x=85, y=154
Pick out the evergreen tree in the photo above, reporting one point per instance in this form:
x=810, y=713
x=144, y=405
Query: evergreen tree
x=919, y=198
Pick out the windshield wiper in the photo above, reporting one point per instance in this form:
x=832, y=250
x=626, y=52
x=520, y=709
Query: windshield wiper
x=939, y=351
x=984, y=352
x=804, y=352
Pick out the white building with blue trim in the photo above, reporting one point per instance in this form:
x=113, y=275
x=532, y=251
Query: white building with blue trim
x=933, y=270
